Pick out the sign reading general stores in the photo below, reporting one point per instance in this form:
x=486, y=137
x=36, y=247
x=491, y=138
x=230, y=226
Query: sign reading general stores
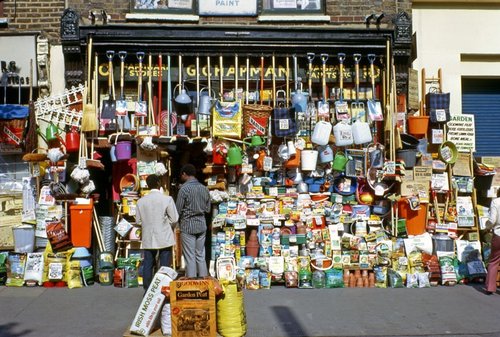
x=461, y=132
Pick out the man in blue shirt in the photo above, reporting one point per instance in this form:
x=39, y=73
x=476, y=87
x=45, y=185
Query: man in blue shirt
x=193, y=202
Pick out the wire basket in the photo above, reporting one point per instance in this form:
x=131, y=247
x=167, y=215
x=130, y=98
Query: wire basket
x=256, y=119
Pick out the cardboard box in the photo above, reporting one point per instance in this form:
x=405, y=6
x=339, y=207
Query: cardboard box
x=152, y=302
x=193, y=308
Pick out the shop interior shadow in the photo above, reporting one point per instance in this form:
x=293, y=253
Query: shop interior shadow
x=290, y=323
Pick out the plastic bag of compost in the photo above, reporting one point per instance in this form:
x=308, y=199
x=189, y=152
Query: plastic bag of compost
x=423, y=280
x=33, y=273
x=380, y=276
x=88, y=275
x=448, y=273
x=3, y=267
x=15, y=270
x=395, y=279
x=166, y=320
x=411, y=280
x=334, y=278
x=291, y=279
x=74, y=275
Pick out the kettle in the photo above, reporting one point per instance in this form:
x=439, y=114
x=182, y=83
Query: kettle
x=234, y=155
x=255, y=140
x=72, y=140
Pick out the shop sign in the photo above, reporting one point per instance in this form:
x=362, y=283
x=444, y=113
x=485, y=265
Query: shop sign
x=461, y=132
x=413, y=89
x=228, y=7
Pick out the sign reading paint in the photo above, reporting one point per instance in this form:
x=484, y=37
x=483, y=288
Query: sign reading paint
x=461, y=132
x=227, y=7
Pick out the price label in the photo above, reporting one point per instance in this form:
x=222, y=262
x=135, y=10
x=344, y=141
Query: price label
x=284, y=124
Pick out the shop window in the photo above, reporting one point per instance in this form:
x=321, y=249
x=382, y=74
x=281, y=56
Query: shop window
x=164, y=6
x=293, y=7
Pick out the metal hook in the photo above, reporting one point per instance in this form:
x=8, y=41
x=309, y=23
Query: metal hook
x=341, y=57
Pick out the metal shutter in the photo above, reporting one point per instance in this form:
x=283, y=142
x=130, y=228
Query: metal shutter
x=481, y=97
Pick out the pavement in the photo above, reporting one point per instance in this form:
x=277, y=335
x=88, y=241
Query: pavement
x=106, y=311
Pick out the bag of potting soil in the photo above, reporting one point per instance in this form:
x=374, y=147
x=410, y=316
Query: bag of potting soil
x=166, y=320
x=33, y=273
x=448, y=273
x=291, y=279
x=334, y=278
x=411, y=280
x=74, y=275
x=88, y=275
x=415, y=261
x=131, y=277
x=56, y=267
x=395, y=279
x=15, y=269
x=423, y=280
x=3, y=267
x=380, y=276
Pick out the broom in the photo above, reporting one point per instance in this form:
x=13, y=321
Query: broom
x=89, y=117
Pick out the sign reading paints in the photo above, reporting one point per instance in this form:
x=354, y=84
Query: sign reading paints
x=461, y=132
x=227, y=7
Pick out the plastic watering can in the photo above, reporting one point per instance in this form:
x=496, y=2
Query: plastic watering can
x=72, y=140
x=255, y=140
x=51, y=134
x=339, y=161
x=234, y=155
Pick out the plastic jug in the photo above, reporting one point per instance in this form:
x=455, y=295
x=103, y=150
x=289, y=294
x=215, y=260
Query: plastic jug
x=321, y=133
x=361, y=132
x=343, y=134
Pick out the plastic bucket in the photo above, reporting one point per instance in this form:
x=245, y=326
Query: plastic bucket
x=106, y=277
x=308, y=160
x=418, y=125
x=24, y=238
x=415, y=219
x=123, y=150
x=408, y=156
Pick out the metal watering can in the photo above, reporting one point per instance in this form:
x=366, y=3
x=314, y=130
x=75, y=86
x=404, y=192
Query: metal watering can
x=234, y=155
x=206, y=102
x=255, y=141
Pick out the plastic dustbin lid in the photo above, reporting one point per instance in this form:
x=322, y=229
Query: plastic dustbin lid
x=81, y=252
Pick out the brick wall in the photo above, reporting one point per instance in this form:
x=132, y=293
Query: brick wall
x=34, y=15
x=44, y=15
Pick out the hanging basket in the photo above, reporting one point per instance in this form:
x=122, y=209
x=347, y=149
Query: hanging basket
x=256, y=119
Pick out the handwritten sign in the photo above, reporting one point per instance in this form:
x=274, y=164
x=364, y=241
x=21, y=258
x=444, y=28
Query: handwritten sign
x=228, y=7
x=461, y=132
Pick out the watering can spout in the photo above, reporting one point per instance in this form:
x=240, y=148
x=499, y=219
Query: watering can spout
x=255, y=140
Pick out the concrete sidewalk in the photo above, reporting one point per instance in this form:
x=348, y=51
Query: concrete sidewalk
x=108, y=311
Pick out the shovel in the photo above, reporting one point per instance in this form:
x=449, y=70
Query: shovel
x=310, y=58
x=341, y=107
x=374, y=106
x=121, y=104
x=140, y=106
x=357, y=108
x=109, y=106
